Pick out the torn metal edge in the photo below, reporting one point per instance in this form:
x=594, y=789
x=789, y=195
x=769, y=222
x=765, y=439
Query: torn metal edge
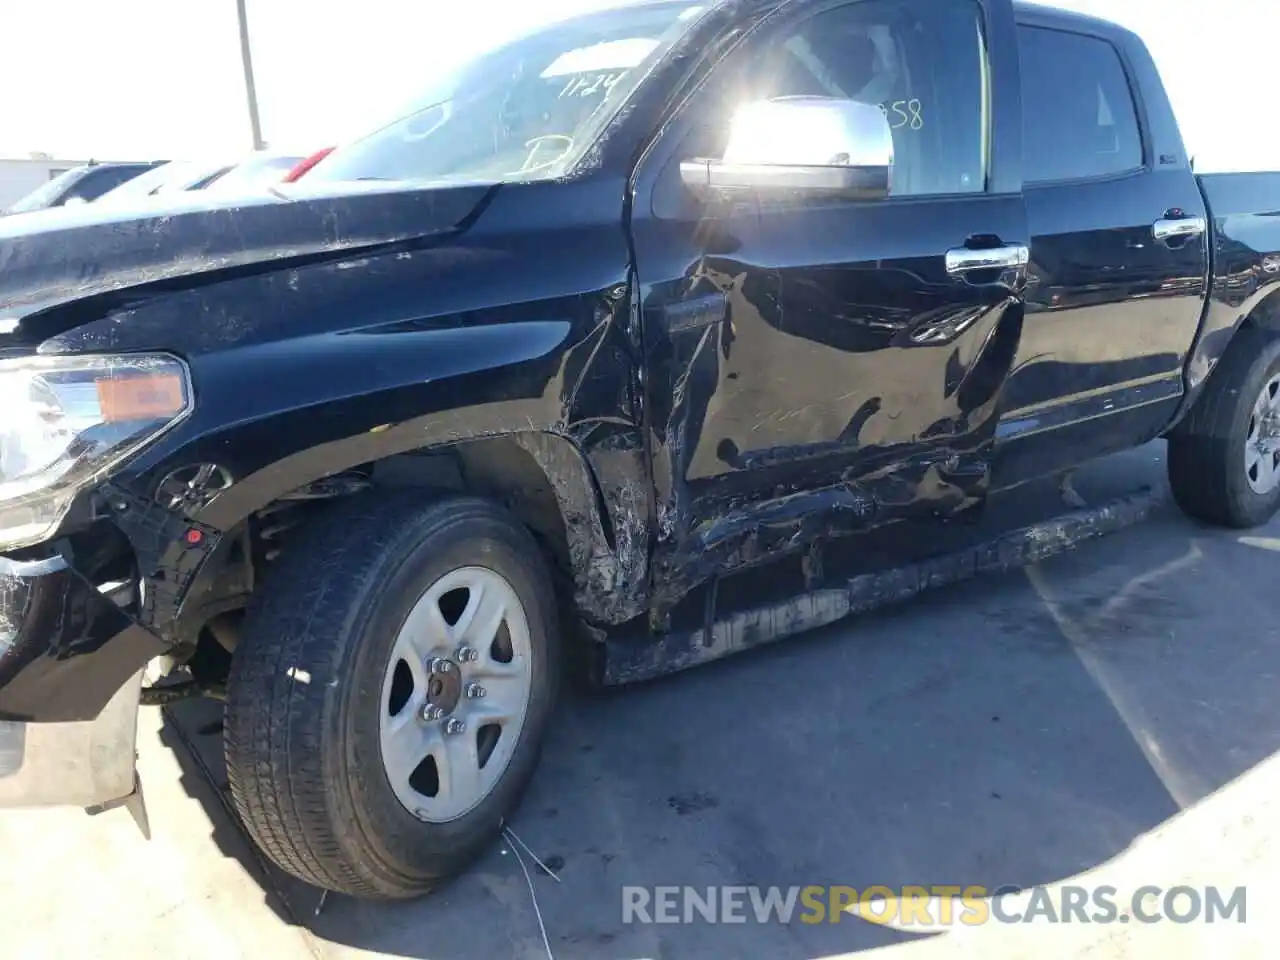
x=633, y=660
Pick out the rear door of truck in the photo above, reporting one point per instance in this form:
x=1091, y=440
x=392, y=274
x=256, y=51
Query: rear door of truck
x=1119, y=249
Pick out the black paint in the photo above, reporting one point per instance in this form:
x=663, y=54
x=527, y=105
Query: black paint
x=692, y=388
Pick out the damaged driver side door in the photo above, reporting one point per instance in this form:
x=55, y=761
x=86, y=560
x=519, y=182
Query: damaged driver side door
x=824, y=355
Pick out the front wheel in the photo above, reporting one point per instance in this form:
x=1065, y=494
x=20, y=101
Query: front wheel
x=1224, y=459
x=390, y=693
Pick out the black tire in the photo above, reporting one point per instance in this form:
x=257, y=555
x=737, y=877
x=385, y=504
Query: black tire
x=1206, y=451
x=302, y=719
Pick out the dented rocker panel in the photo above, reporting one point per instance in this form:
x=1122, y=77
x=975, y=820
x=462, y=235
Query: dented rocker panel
x=631, y=661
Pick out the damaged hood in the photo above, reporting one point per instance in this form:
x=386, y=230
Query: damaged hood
x=54, y=257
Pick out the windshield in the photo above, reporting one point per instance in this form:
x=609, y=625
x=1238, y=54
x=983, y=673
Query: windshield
x=526, y=111
x=48, y=193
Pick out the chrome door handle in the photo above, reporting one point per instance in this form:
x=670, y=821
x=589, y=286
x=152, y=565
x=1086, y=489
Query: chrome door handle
x=1183, y=227
x=963, y=260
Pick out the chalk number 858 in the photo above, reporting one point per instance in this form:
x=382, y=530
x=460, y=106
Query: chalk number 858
x=904, y=113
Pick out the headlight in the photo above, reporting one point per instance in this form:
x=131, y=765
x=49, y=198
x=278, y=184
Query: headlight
x=65, y=421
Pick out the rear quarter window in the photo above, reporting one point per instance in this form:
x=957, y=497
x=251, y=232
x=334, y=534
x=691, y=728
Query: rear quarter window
x=1078, y=116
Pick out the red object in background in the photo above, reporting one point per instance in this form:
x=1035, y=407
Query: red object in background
x=306, y=165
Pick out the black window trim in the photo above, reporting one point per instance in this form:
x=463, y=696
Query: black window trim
x=1135, y=97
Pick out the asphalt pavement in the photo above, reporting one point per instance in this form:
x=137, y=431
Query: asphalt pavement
x=1106, y=717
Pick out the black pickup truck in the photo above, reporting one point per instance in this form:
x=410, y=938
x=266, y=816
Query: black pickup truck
x=543, y=373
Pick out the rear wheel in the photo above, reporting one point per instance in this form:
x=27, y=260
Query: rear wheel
x=1224, y=459
x=390, y=693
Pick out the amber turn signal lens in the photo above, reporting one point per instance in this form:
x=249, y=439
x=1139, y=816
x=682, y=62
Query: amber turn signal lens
x=141, y=398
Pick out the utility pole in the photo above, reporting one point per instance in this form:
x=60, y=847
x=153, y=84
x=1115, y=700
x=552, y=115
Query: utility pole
x=251, y=91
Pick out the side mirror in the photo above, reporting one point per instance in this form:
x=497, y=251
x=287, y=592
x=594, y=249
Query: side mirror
x=808, y=145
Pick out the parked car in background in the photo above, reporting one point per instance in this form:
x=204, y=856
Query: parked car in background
x=259, y=170
x=82, y=184
x=172, y=177
x=305, y=165
x=654, y=336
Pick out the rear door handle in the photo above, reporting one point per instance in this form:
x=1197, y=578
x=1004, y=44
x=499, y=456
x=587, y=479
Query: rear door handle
x=1181, y=227
x=963, y=260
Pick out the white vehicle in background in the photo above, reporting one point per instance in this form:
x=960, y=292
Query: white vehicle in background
x=217, y=175
x=261, y=169
x=172, y=177
x=83, y=183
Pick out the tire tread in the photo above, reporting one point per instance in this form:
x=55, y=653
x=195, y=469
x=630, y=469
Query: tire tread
x=273, y=748
x=1200, y=465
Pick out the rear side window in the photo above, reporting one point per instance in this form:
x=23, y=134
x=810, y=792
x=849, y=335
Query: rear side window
x=1078, y=116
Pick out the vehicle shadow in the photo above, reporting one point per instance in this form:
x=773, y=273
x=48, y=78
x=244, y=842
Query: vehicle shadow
x=1014, y=730
x=193, y=731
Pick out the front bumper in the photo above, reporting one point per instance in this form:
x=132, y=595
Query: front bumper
x=71, y=664
x=85, y=764
x=65, y=646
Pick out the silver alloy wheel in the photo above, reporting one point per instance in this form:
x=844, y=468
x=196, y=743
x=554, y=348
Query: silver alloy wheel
x=455, y=694
x=1262, y=448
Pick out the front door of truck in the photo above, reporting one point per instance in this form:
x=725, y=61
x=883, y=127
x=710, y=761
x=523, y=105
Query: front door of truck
x=823, y=363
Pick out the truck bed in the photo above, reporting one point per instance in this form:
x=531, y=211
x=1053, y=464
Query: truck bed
x=1245, y=208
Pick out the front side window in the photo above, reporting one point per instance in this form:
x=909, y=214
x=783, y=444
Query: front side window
x=526, y=111
x=922, y=62
x=142, y=185
x=103, y=180
x=1078, y=116
x=146, y=184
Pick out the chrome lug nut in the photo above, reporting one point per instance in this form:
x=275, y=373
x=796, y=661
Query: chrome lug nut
x=439, y=665
x=454, y=726
x=475, y=691
x=466, y=655
x=431, y=712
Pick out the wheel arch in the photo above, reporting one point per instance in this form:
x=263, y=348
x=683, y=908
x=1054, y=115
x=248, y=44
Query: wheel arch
x=589, y=511
x=1265, y=315
x=1262, y=312
x=572, y=502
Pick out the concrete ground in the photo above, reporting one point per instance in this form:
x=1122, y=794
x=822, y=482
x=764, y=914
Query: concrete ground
x=1107, y=717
